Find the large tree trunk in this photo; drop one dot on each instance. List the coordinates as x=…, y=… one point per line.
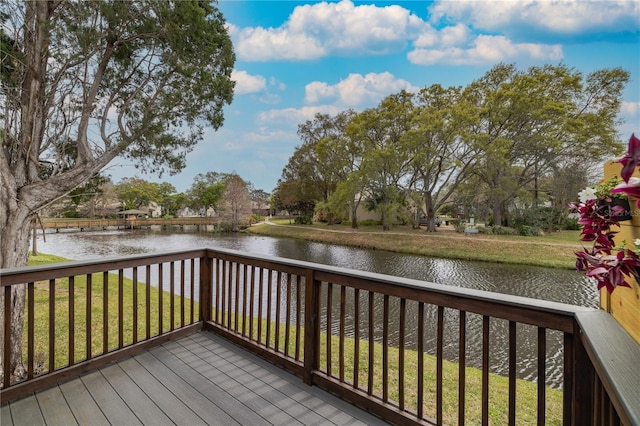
x=497, y=213
x=354, y=215
x=431, y=213
x=13, y=252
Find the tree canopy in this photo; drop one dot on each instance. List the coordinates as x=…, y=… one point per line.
x=506, y=136
x=83, y=82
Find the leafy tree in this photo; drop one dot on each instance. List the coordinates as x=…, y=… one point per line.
x=315, y=162
x=442, y=159
x=290, y=196
x=134, y=193
x=529, y=122
x=206, y=190
x=341, y=156
x=173, y=203
x=385, y=159
x=135, y=79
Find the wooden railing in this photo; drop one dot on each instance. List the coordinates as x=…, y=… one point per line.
x=377, y=341
x=82, y=224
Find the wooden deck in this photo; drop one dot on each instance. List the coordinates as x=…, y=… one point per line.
x=198, y=379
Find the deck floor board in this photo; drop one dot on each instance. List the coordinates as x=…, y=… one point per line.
x=198, y=379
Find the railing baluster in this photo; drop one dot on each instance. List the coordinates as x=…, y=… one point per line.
x=401, y=330
x=72, y=320
x=120, y=309
x=343, y=292
x=229, y=286
x=356, y=343
x=105, y=312
x=287, y=317
x=6, y=364
x=485, y=370
x=329, y=327
x=439, y=364
x=160, y=301
x=298, y=315
x=182, y=296
x=260, y=301
x=371, y=341
x=223, y=295
x=88, y=316
x=278, y=301
x=30, y=329
x=52, y=325
x=269, y=288
x=462, y=366
x=542, y=357
x=251, y=301
x=512, y=372
x=236, y=326
x=193, y=289
x=135, y=304
x=385, y=349
x=172, y=295
x=218, y=288
x=420, y=392
x=147, y=301
x=244, y=300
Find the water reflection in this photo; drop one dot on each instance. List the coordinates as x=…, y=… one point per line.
x=565, y=286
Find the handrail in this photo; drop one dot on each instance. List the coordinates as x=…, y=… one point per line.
x=350, y=332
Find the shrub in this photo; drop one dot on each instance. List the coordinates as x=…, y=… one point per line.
x=546, y=218
x=571, y=224
x=369, y=222
x=530, y=231
x=306, y=219
x=504, y=230
x=485, y=230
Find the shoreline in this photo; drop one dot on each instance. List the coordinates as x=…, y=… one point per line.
x=444, y=243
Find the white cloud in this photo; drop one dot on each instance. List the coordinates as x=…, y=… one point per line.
x=247, y=83
x=314, y=31
x=293, y=116
x=357, y=90
x=485, y=49
x=559, y=16
x=631, y=109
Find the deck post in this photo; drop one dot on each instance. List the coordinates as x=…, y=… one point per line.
x=584, y=381
x=205, y=288
x=311, y=326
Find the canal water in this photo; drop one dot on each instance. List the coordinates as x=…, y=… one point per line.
x=565, y=286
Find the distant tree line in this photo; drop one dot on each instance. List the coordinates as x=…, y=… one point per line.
x=226, y=193
x=514, y=145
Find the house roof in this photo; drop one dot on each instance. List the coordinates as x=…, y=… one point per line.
x=132, y=211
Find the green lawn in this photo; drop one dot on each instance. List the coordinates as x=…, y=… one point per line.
x=555, y=250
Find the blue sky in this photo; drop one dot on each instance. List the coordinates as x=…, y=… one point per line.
x=294, y=59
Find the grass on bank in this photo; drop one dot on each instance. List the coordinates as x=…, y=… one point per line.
x=555, y=250
x=62, y=311
x=498, y=398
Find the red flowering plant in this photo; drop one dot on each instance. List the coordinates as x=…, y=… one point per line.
x=609, y=265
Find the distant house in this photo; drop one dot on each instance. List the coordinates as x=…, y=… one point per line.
x=133, y=214
x=155, y=210
x=261, y=208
